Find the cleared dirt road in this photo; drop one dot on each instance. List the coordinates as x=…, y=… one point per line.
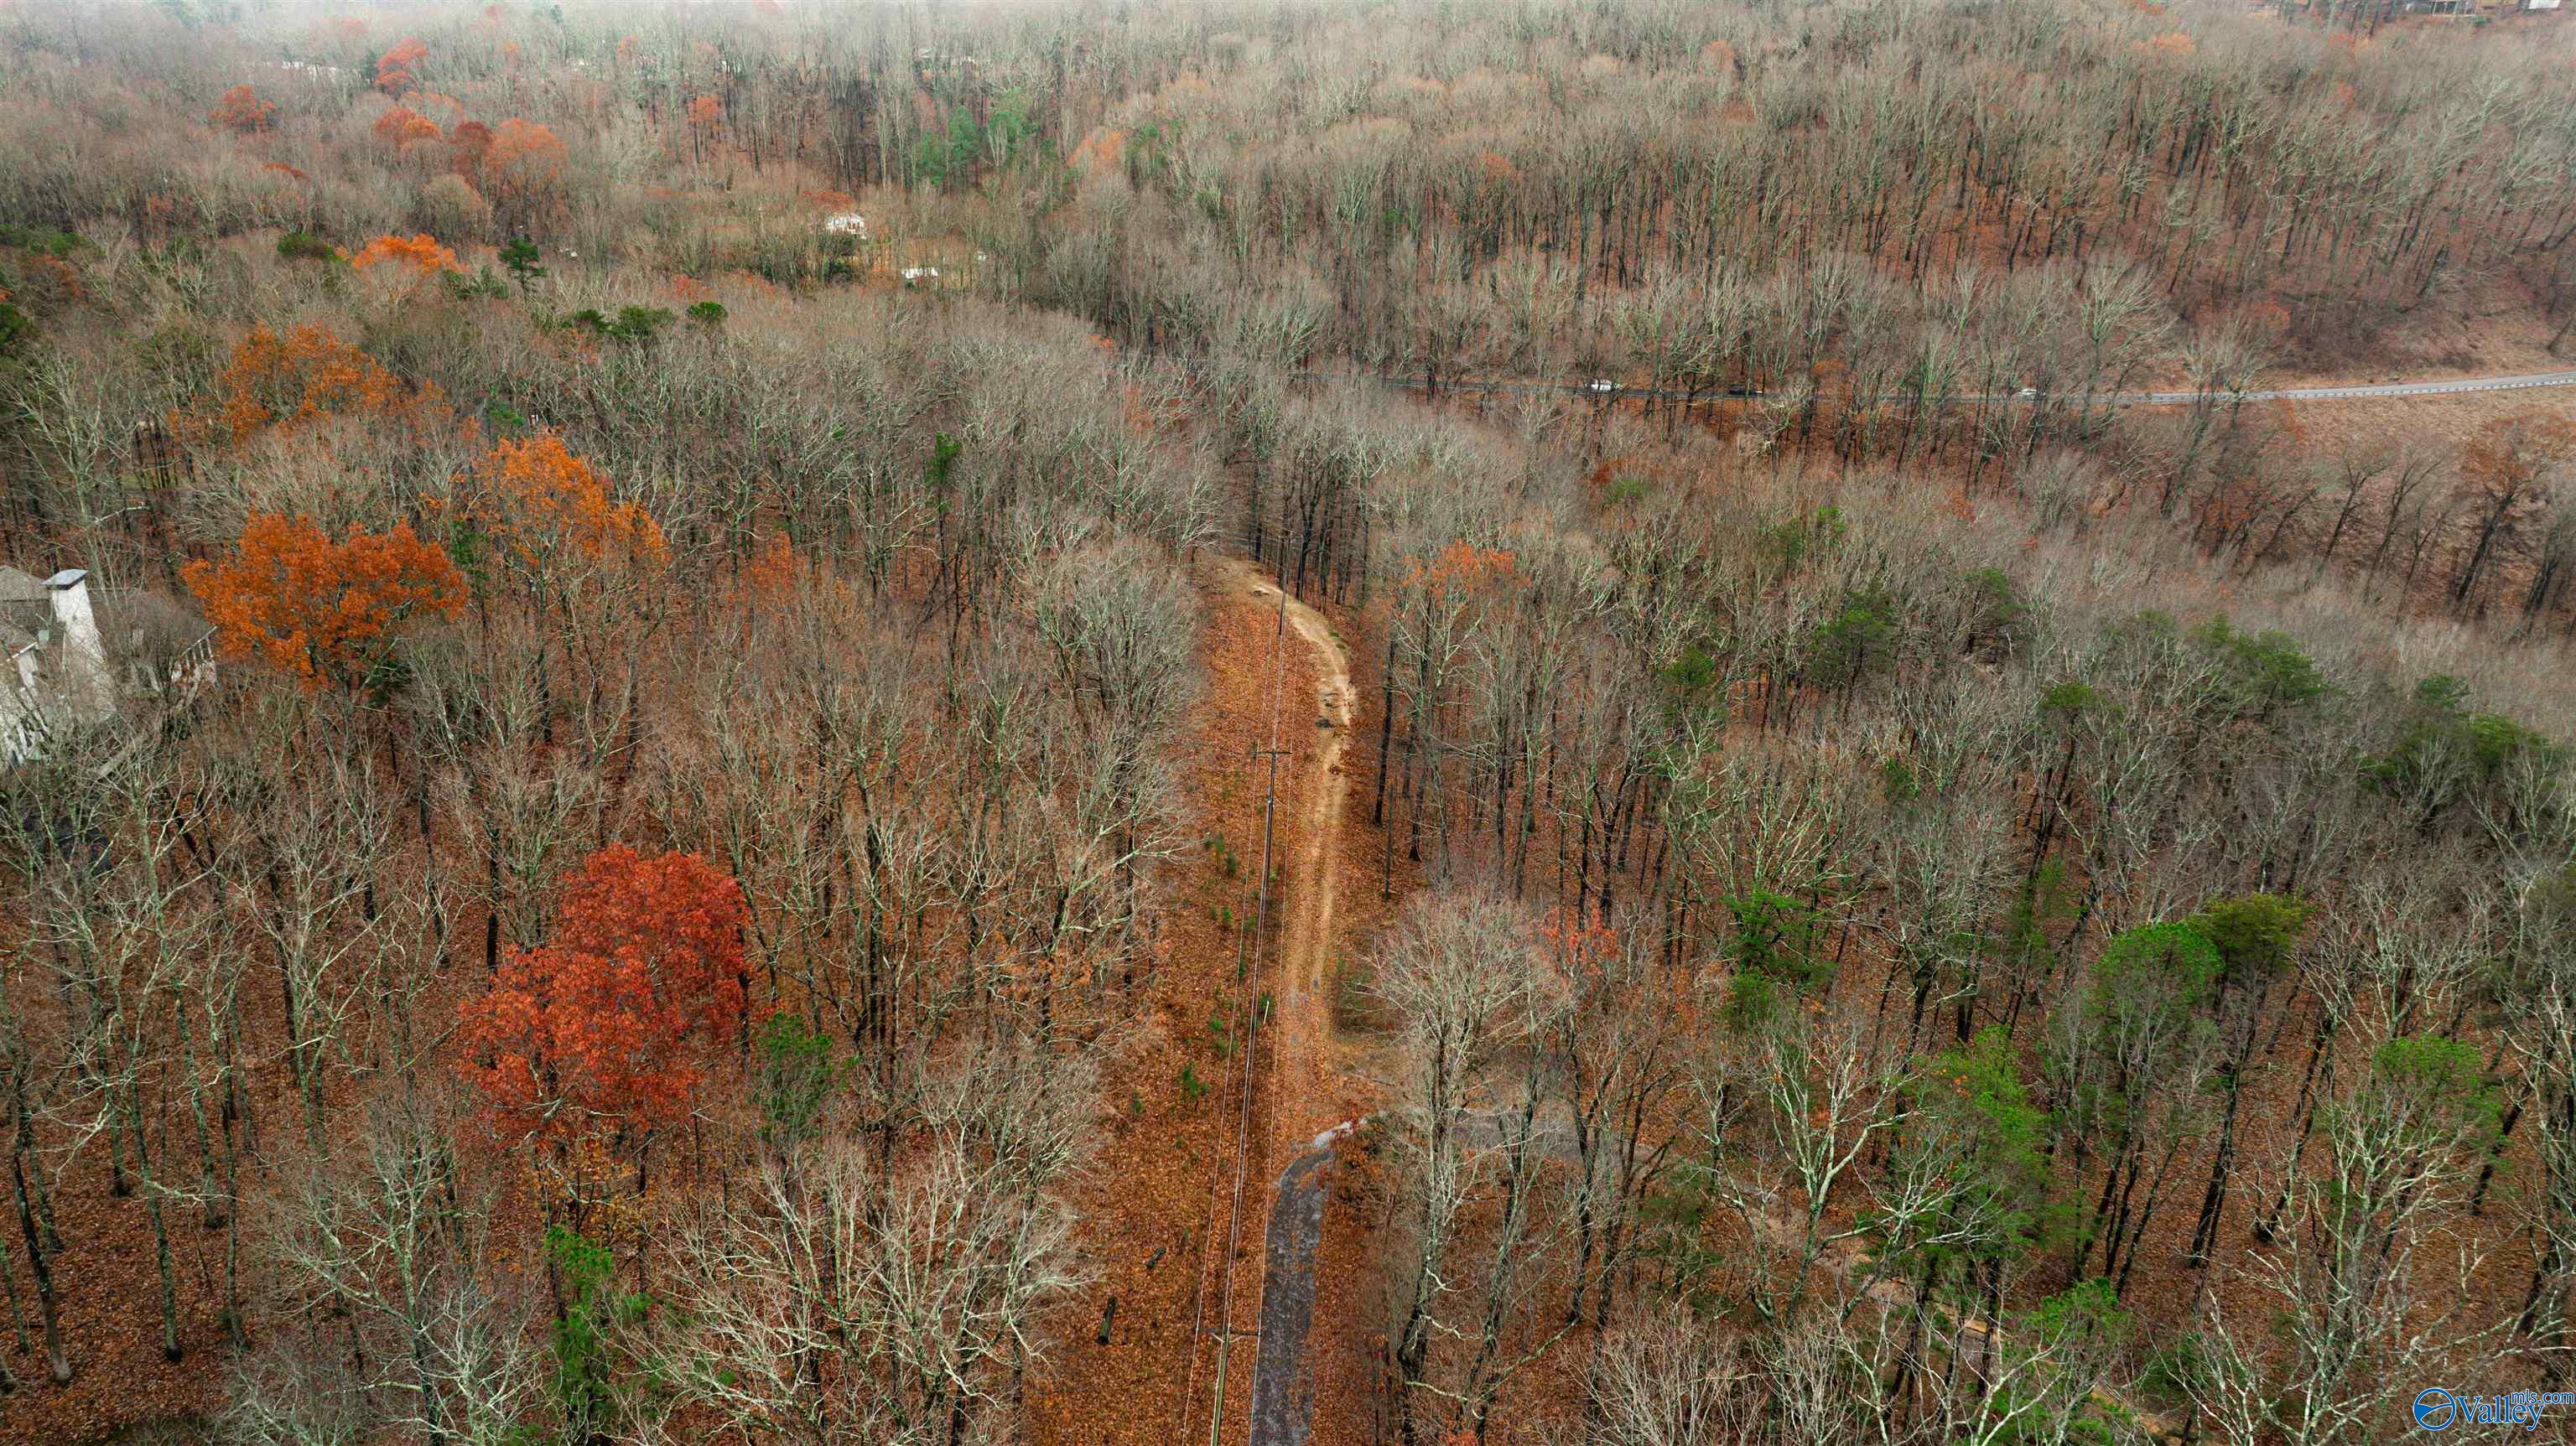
x=1300, y=1033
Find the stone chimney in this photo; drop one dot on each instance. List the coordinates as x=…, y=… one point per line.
x=84, y=658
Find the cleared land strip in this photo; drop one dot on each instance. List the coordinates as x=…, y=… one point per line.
x=1299, y=1033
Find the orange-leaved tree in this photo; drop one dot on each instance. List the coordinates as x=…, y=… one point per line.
x=323, y=610
x=308, y=373
x=612, y=1022
x=532, y=518
x=240, y=109
x=548, y=506
x=420, y=253
x=400, y=125
x=706, y=117
x=393, y=68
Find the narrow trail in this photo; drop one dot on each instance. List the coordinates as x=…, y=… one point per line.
x=1300, y=1088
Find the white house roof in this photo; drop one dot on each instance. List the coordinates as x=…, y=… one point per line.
x=16, y=586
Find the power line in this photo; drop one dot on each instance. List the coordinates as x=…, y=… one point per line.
x=1247, y=968
x=1251, y=1026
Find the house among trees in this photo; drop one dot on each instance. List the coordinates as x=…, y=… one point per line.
x=61, y=671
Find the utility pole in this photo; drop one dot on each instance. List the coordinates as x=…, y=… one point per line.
x=1243, y=985
x=1247, y=961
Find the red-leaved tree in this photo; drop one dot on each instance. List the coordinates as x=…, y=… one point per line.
x=610, y=1024
x=393, y=68
x=240, y=109
x=522, y=171
x=421, y=255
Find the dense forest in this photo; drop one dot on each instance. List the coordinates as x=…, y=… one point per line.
x=1370, y=721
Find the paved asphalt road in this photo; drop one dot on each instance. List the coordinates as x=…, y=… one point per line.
x=2523, y=382
x=1283, y=1379
x=1283, y=1386
x=2376, y=389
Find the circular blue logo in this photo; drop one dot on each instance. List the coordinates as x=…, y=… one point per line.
x=2435, y=1409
